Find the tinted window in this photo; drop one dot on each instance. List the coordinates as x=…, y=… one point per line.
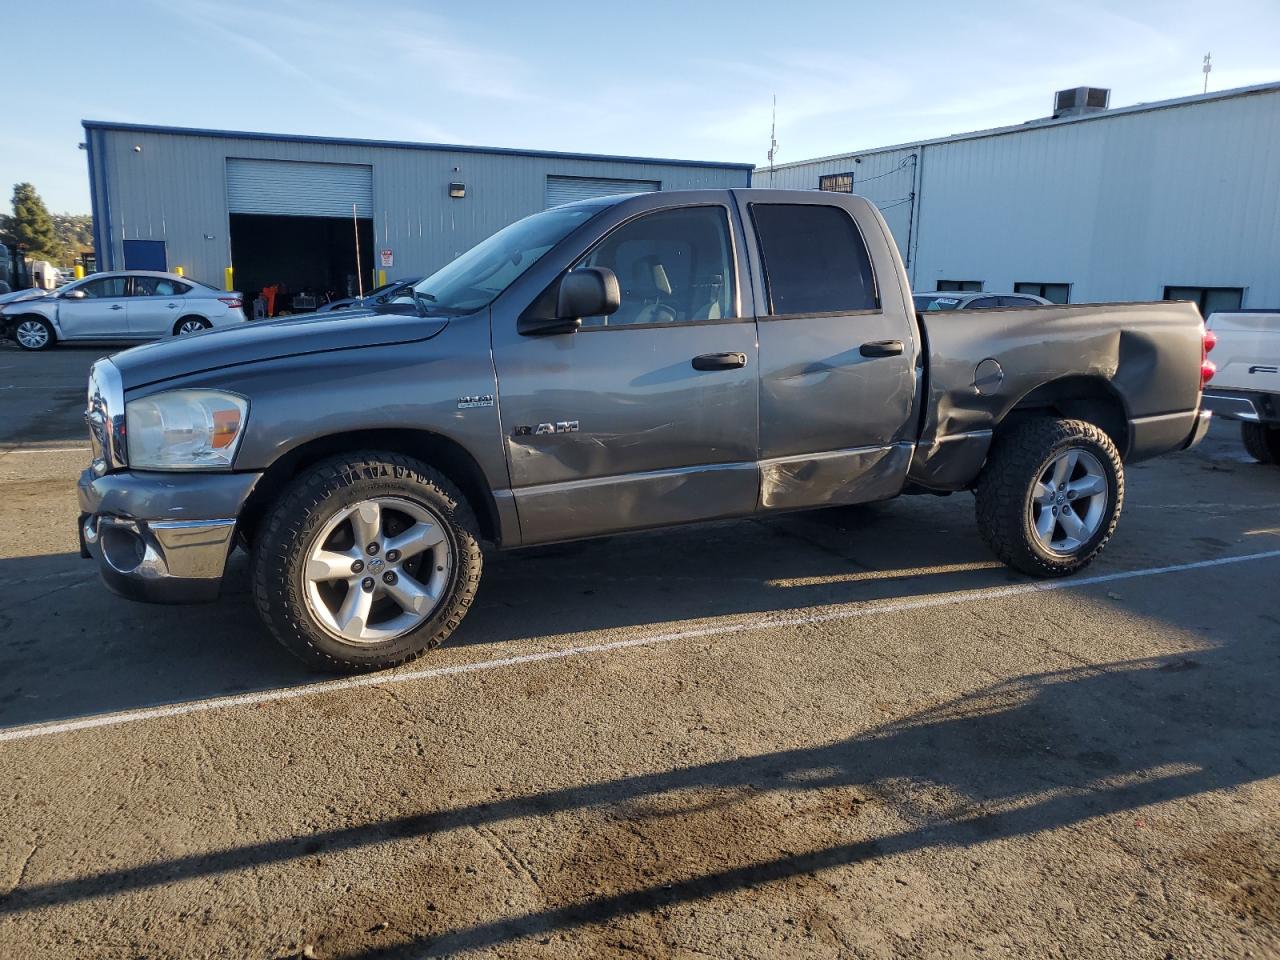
x=1018, y=302
x=1209, y=299
x=103, y=287
x=158, y=287
x=814, y=259
x=981, y=302
x=675, y=266
x=969, y=286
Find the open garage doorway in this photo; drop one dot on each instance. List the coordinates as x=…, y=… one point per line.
x=294, y=227
x=296, y=264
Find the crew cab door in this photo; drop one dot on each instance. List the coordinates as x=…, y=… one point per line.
x=100, y=314
x=646, y=417
x=837, y=351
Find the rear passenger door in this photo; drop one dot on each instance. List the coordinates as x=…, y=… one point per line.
x=837, y=353
x=155, y=306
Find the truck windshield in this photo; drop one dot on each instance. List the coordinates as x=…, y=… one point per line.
x=475, y=279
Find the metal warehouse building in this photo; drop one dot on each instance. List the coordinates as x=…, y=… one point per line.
x=1178, y=199
x=288, y=210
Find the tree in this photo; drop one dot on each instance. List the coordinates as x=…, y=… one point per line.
x=31, y=227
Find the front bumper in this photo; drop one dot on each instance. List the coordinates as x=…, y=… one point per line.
x=161, y=538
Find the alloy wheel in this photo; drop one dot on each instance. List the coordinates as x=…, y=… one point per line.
x=1069, y=501
x=377, y=569
x=32, y=334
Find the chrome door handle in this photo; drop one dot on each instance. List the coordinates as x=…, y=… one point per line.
x=116, y=306
x=719, y=361
x=882, y=348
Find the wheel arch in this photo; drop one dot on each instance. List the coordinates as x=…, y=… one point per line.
x=11, y=321
x=446, y=455
x=1091, y=399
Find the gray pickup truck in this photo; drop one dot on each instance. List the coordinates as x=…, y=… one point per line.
x=608, y=366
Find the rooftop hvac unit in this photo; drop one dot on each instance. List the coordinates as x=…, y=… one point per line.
x=1080, y=100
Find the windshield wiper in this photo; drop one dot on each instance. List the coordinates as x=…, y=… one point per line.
x=421, y=301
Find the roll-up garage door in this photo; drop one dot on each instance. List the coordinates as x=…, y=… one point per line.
x=568, y=189
x=298, y=189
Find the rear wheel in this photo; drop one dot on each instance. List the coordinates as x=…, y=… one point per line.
x=366, y=561
x=1262, y=441
x=190, y=325
x=32, y=333
x=1049, y=497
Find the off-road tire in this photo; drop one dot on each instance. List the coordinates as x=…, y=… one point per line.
x=1262, y=441
x=306, y=504
x=1019, y=455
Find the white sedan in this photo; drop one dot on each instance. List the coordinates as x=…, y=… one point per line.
x=129, y=305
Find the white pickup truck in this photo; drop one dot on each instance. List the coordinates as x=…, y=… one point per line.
x=1247, y=384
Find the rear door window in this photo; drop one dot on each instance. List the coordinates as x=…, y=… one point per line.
x=158, y=287
x=815, y=260
x=982, y=302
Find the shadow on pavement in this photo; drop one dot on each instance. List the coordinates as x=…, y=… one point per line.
x=71, y=648
x=1036, y=753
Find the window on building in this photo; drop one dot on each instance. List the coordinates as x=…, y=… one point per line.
x=674, y=266
x=1209, y=299
x=814, y=259
x=970, y=286
x=1053, y=292
x=836, y=182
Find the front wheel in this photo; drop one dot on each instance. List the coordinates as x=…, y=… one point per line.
x=366, y=561
x=1049, y=497
x=34, y=334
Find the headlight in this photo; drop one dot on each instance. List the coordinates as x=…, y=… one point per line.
x=184, y=429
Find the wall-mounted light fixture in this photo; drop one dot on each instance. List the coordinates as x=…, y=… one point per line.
x=457, y=190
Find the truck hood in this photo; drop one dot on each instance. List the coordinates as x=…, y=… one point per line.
x=251, y=342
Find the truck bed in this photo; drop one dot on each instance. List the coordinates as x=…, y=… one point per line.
x=1132, y=367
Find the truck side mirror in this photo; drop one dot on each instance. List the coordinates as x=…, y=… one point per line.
x=587, y=292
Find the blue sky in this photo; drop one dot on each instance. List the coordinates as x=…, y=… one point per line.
x=661, y=78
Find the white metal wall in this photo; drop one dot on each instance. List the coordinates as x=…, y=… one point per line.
x=1119, y=205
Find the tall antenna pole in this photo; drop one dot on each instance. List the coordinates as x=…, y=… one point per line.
x=1208, y=65
x=773, y=138
x=355, y=224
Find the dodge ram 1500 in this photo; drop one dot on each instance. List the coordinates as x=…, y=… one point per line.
x=608, y=366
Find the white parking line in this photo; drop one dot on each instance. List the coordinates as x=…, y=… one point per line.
x=847, y=612
x=83, y=448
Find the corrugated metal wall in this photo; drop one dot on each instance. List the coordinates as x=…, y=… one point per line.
x=1119, y=206
x=174, y=189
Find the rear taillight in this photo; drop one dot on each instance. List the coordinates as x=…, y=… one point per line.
x=232, y=302
x=1208, y=340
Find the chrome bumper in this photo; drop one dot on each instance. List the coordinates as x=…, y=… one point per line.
x=1203, y=419
x=1251, y=408
x=179, y=560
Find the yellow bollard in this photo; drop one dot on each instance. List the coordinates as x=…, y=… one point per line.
x=178, y=270
x=78, y=271
x=382, y=278
x=229, y=278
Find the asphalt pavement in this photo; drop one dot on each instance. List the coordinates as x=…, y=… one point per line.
x=845, y=733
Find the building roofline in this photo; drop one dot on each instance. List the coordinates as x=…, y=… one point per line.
x=1038, y=124
x=400, y=144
